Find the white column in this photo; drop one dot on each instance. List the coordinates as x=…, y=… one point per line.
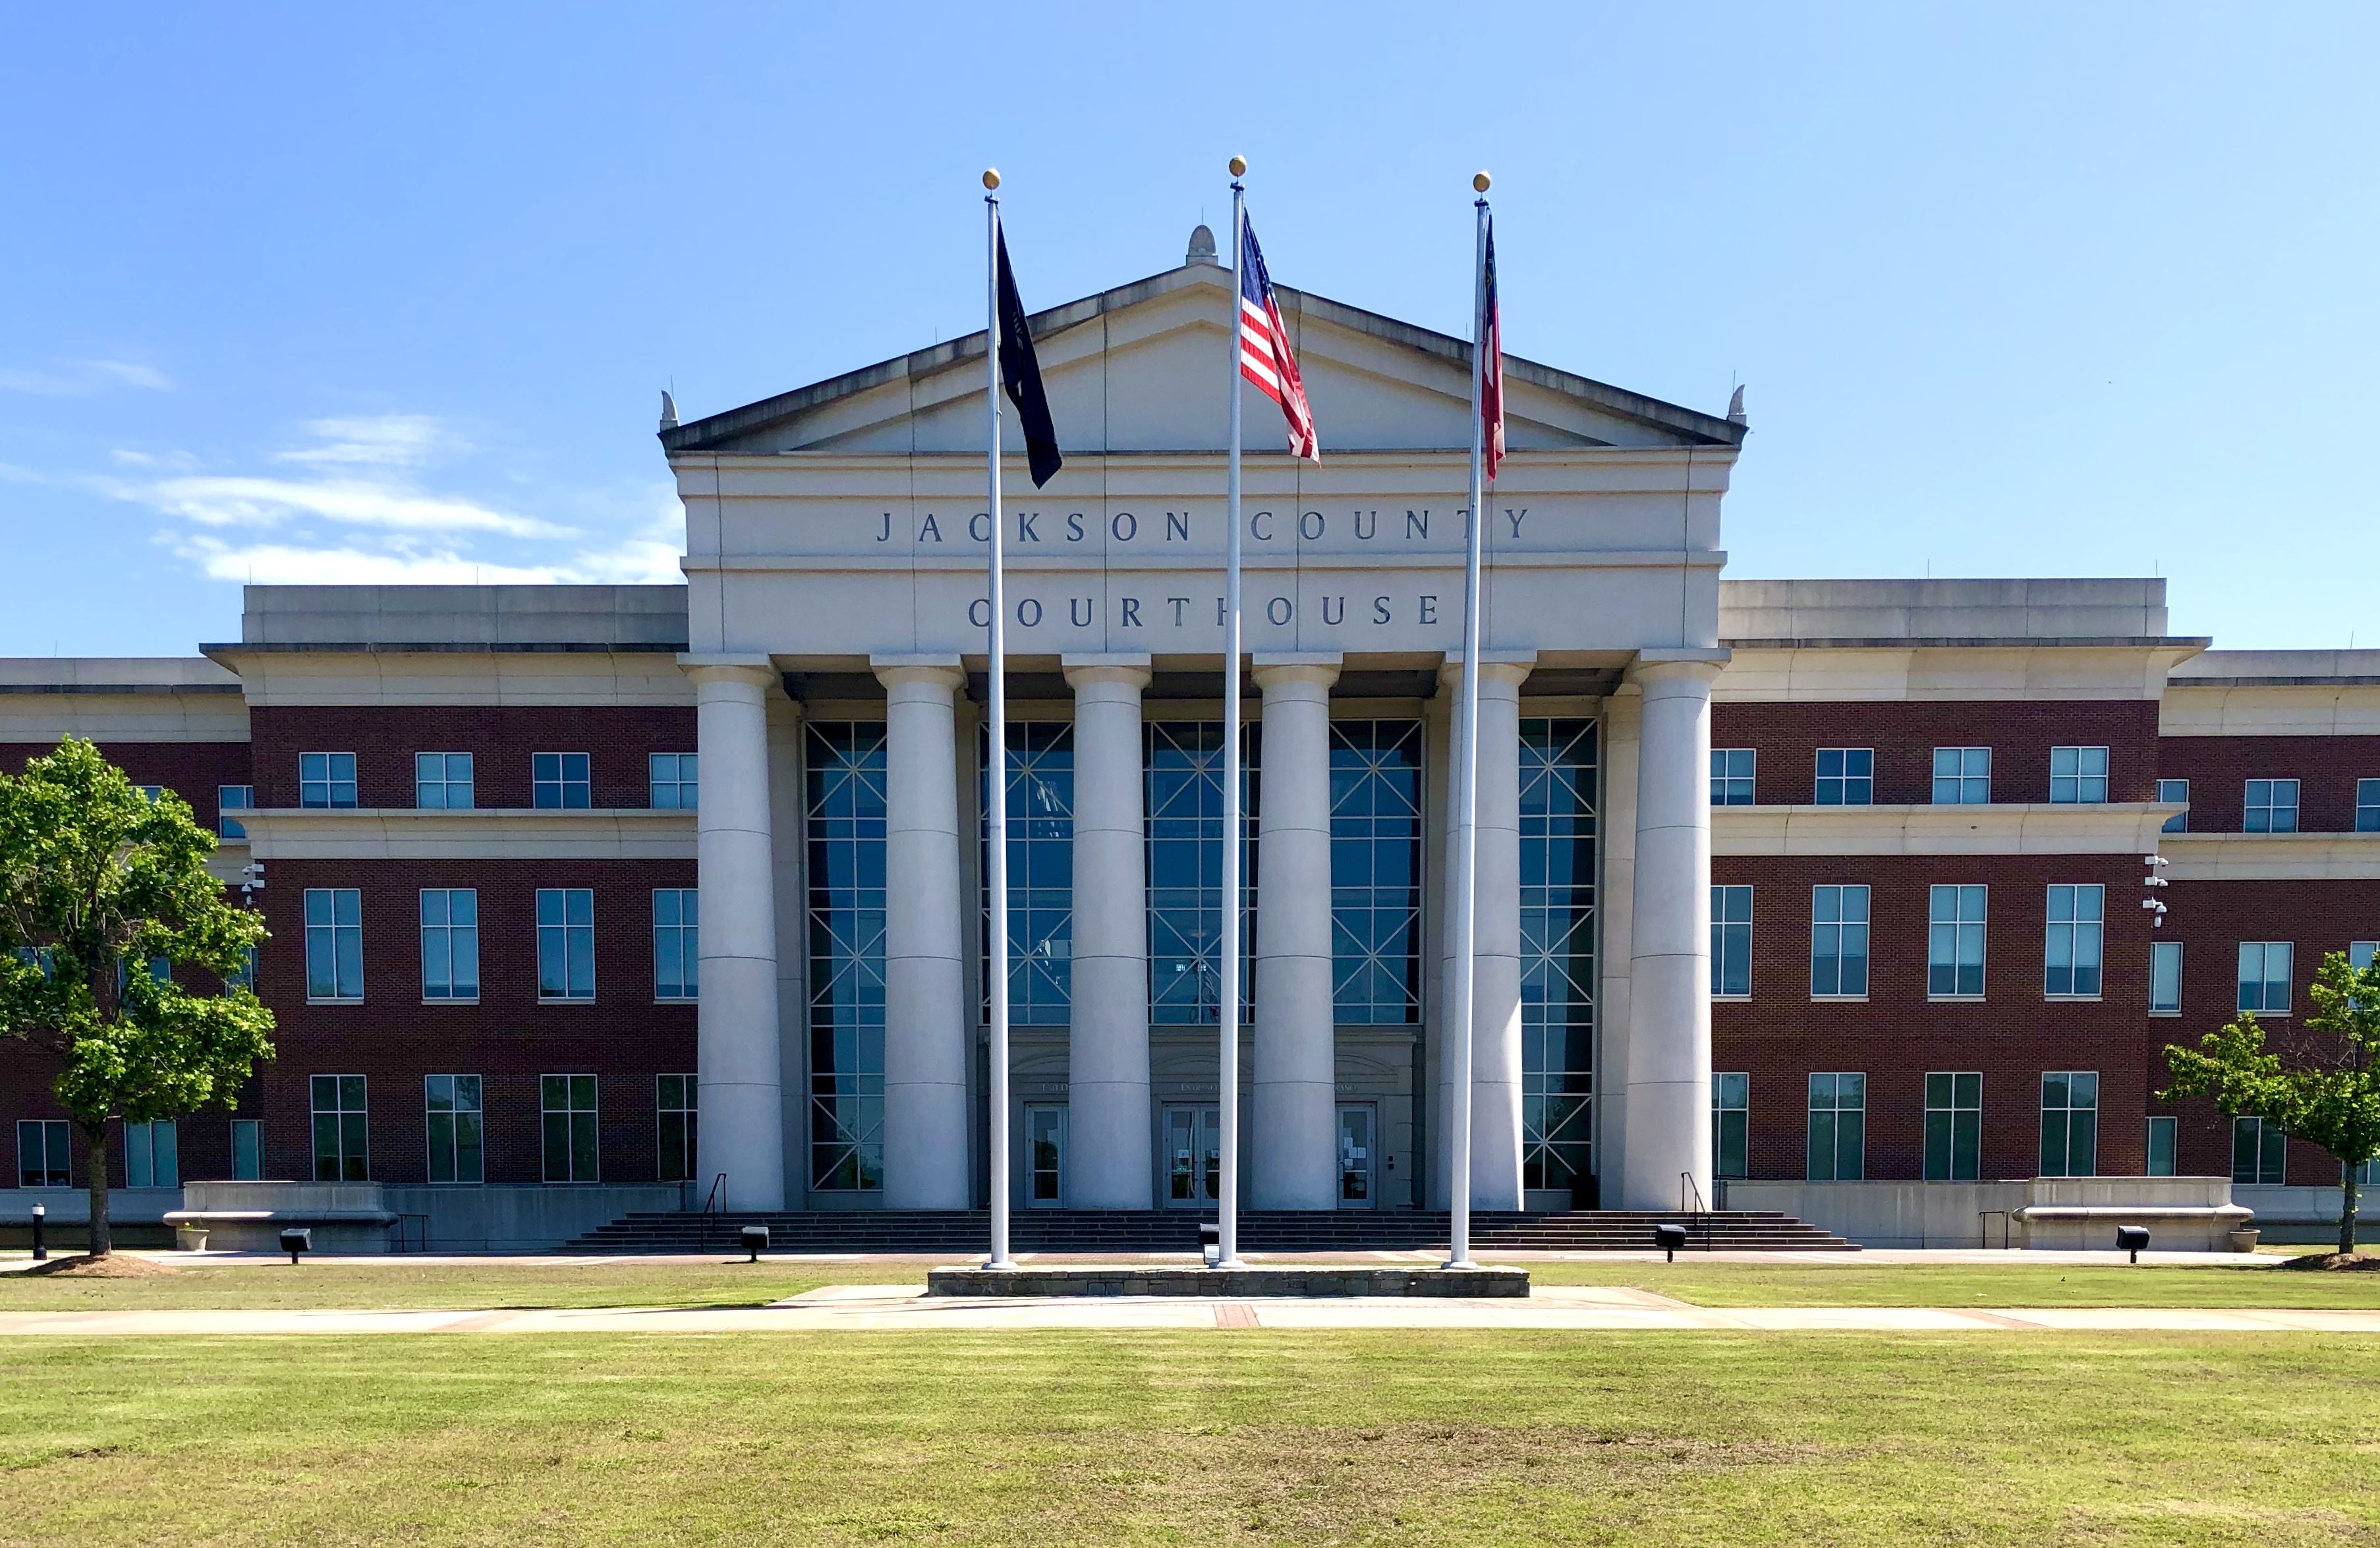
x=1616, y=903
x=1295, y=1114
x=1495, y=948
x=739, y=1076
x=1111, y=1164
x=926, y=1020
x=1667, y=1134
x=789, y=868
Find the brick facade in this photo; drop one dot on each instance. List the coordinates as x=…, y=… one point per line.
x=1787, y=735
x=501, y=740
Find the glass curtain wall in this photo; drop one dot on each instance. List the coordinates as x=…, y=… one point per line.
x=1558, y=838
x=1041, y=871
x=1376, y=872
x=1184, y=795
x=844, y=806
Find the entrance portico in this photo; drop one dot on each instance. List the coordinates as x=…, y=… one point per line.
x=835, y=553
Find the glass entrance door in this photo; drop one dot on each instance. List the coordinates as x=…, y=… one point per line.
x=1356, y=1153
x=1194, y=1157
x=1045, y=1153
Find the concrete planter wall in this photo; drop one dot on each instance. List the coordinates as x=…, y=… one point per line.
x=2181, y=1214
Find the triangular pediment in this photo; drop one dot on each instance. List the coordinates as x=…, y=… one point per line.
x=1143, y=368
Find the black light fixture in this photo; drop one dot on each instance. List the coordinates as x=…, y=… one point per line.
x=2133, y=1240
x=755, y=1241
x=1210, y=1242
x=40, y=1240
x=1668, y=1238
x=296, y=1239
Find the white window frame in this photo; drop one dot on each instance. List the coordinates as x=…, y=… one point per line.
x=2098, y=1111
x=2271, y=807
x=2264, y=975
x=685, y=783
x=1866, y=925
x=1925, y=1136
x=1721, y=931
x=431, y=1113
x=330, y=784
x=1967, y=756
x=2367, y=806
x=689, y=945
x=228, y=827
x=1845, y=780
x=2265, y=1132
x=445, y=933
x=1837, y=1110
x=2171, y=1127
x=1982, y=922
x=44, y=1127
x=445, y=782
x=567, y=930
x=689, y=1112
x=1720, y=1109
x=570, y=1111
x=561, y=784
x=2165, y=949
x=2074, y=924
x=339, y=1114
x=1724, y=758
x=2081, y=776
x=327, y=934
x=141, y=1152
x=254, y=1131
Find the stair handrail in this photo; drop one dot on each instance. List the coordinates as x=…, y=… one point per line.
x=1686, y=1185
x=710, y=1207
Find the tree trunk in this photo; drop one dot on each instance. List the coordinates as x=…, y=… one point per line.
x=2347, y=1192
x=94, y=1171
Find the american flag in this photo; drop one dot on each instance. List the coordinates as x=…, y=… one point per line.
x=1265, y=359
x=1492, y=372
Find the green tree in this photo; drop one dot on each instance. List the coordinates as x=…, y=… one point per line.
x=97, y=881
x=2325, y=1088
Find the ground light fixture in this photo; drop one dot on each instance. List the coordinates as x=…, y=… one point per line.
x=1210, y=1242
x=2133, y=1240
x=297, y=1239
x=40, y=1242
x=755, y=1241
x=1668, y=1238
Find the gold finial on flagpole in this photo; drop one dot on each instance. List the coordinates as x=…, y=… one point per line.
x=1239, y=167
x=1479, y=182
x=991, y=177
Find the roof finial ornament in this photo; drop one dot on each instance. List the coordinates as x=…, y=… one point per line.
x=669, y=410
x=1735, y=409
x=1202, y=247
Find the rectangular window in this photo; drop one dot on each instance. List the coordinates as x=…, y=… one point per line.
x=2258, y=1152
x=2361, y=953
x=1962, y=775
x=153, y=793
x=843, y=793
x=2070, y=1123
x=1041, y=871
x=1838, y=942
x=1558, y=974
x=342, y=1153
x=326, y=779
x=565, y=944
x=152, y=1155
x=2264, y=976
x=2271, y=807
x=2163, y=1142
x=335, y=943
x=1375, y=865
x=676, y=780
x=247, y=1150
x=1731, y=770
x=1731, y=1124
x=2078, y=776
x=2069, y=967
x=1184, y=822
x=2175, y=791
x=1954, y=1125
x=228, y=799
x=1954, y=942
x=441, y=781
x=2367, y=806
x=1730, y=943
x=450, y=943
x=44, y=1148
x=1846, y=776
x=2165, y=977
x=456, y=1135
x=570, y=1131
x=675, y=1108
x=560, y=780
x=677, y=920
x=1838, y=1127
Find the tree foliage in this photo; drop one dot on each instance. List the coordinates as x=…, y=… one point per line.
x=2323, y=1089
x=96, y=882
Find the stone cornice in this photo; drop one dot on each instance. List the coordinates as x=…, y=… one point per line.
x=2015, y=828
x=2271, y=857
x=485, y=833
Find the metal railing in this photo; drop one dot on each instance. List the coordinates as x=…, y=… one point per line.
x=711, y=1209
x=1688, y=1188
x=402, y=1233
x=1984, y=1227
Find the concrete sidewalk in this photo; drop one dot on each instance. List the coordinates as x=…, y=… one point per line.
x=877, y=1307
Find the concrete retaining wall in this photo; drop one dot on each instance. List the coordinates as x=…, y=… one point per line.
x=2182, y=1214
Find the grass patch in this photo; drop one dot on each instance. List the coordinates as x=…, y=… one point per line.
x=2014, y=1283
x=1194, y=1437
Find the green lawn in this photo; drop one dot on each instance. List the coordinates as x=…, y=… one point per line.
x=711, y=1282
x=1253, y=1437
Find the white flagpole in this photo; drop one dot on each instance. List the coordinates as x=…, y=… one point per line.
x=997, y=818
x=1227, y=1200
x=1467, y=841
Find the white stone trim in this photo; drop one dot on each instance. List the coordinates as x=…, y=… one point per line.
x=482, y=833
x=2272, y=857
x=1948, y=673
x=2009, y=828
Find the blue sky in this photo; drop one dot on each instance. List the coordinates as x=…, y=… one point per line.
x=356, y=293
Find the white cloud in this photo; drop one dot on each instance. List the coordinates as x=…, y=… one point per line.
x=295, y=564
x=179, y=462
x=376, y=441
x=82, y=378
x=392, y=507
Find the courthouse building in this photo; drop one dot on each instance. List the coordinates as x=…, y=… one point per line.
x=598, y=895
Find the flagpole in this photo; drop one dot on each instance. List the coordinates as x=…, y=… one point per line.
x=996, y=820
x=1227, y=1200
x=1467, y=841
